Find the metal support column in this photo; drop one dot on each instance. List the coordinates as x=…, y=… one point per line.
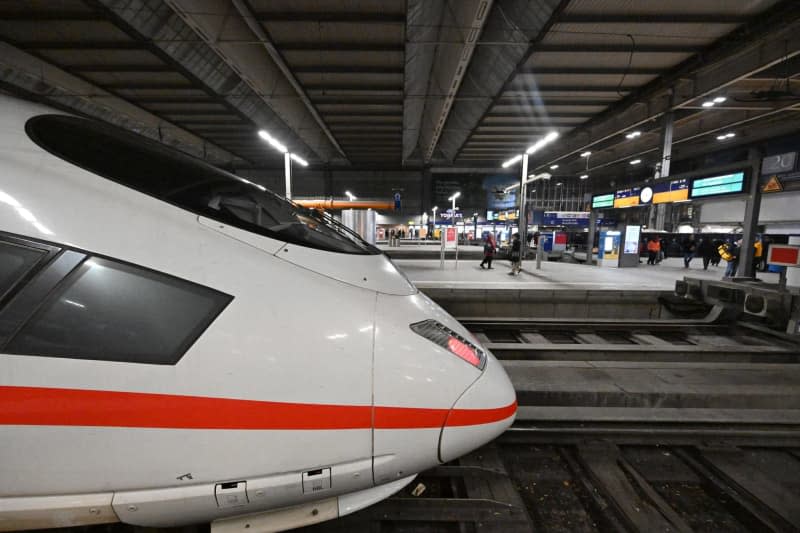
x=658, y=212
x=590, y=237
x=287, y=171
x=426, y=189
x=522, y=222
x=751, y=212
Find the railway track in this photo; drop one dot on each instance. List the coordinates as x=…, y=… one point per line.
x=642, y=340
x=598, y=479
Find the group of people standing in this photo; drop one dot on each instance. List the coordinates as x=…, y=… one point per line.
x=711, y=251
x=490, y=247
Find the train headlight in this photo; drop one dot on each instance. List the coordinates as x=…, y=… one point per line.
x=451, y=341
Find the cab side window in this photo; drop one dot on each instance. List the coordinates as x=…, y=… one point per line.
x=99, y=308
x=16, y=261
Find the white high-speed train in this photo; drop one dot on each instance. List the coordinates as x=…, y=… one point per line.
x=179, y=345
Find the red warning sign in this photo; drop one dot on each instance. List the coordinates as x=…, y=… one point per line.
x=773, y=185
x=783, y=255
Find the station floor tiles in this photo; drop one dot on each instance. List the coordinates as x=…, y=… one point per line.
x=553, y=275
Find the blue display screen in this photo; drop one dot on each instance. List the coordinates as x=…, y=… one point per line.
x=727, y=184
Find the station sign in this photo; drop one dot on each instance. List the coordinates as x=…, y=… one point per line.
x=718, y=185
x=502, y=216
x=601, y=201
x=673, y=191
x=565, y=218
x=627, y=197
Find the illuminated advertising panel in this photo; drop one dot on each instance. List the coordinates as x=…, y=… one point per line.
x=603, y=200
x=716, y=185
x=627, y=197
x=670, y=191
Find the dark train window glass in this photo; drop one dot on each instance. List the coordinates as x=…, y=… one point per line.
x=15, y=261
x=115, y=312
x=189, y=183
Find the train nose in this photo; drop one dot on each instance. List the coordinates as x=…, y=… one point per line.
x=485, y=410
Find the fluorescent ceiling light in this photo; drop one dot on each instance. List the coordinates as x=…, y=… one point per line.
x=512, y=161
x=719, y=99
x=559, y=184
x=708, y=104
x=350, y=195
x=633, y=134
x=585, y=176
x=299, y=159
x=635, y=161
x=586, y=154
x=272, y=141
x=456, y=195
x=547, y=139
x=725, y=136
x=553, y=167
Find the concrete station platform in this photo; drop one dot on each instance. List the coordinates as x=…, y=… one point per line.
x=559, y=275
x=664, y=391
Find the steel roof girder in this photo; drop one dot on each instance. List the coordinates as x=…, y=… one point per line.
x=257, y=72
x=760, y=55
x=34, y=75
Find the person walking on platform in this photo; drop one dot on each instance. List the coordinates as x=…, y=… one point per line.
x=488, y=251
x=715, y=259
x=516, y=255
x=707, y=251
x=688, y=248
x=653, y=248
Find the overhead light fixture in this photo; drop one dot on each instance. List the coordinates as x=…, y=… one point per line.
x=635, y=161
x=456, y=195
x=511, y=161
x=584, y=176
x=547, y=139
x=586, y=154
x=719, y=99
x=710, y=103
x=559, y=184
x=633, y=134
x=299, y=159
x=553, y=167
x=350, y=195
x=725, y=136
x=273, y=141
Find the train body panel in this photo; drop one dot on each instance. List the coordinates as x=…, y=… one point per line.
x=307, y=369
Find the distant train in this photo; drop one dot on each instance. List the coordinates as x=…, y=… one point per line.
x=179, y=345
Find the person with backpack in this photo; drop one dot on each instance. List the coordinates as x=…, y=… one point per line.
x=730, y=253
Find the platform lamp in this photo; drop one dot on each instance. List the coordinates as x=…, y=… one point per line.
x=523, y=219
x=288, y=157
x=453, y=212
x=350, y=195
x=434, y=215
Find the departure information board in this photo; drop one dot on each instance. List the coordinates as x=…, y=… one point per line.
x=670, y=191
x=627, y=197
x=603, y=200
x=727, y=184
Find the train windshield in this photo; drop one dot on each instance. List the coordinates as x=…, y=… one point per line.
x=190, y=183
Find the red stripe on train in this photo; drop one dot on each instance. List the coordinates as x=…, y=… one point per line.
x=42, y=406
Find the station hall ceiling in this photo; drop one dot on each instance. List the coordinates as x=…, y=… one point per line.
x=396, y=84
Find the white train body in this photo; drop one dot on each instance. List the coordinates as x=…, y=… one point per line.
x=305, y=386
